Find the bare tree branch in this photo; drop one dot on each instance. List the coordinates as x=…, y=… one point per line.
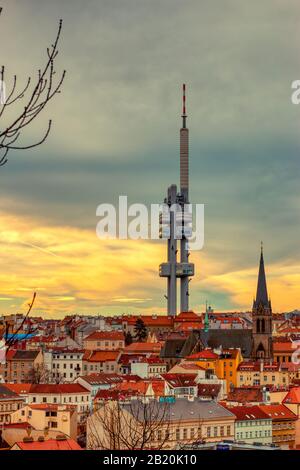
x=10, y=342
x=43, y=91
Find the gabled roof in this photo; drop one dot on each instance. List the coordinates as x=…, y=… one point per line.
x=248, y=413
x=278, y=412
x=205, y=354
x=209, y=390
x=101, y=356
x=23, y=355
x=20, y=389
x=6, y=393
x=293, y=396
x=180, y=380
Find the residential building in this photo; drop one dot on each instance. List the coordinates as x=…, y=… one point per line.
x=62, y=418
x=100, y=361
x=186, y=421
x=9, y=402
x=65, y=364
x=102, y=381
x=252, y=424
x=283, y=424
x=19, y=365
x=261, y=373
x=105, y=341
x=292, y=402
x=149, y=367
x=60, y=394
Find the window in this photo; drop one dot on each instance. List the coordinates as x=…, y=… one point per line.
x=185, y=434
x=159, y=435
x=208, y=432
x=222, y=431
x=192, y=433
x=177, y=434
x=228, y=430
x=44, y=400
x=215, y=431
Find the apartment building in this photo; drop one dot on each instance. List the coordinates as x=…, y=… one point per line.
x=185, y=422
x=104, y=340
x=62, y=418
x=262, y=373
x=19, y=365
x=65, y=364
x=283, y=424
x=9, y=402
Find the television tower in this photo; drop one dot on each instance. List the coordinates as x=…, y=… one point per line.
x=175, y=225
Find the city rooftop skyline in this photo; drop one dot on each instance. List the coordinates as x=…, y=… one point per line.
x=116, y=131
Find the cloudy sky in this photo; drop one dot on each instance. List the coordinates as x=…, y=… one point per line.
x=116, y=131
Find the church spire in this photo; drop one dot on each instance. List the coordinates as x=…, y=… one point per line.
x=262, y=292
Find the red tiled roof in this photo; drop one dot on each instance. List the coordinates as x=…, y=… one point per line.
x=180, y=380
x=187, y=326
x=248, y=413
x=205, y=354
x=139, y=388
x=149, y=320
x=188, y=316
x=57, y=388
x=51, y=407
x=20, y=389
x=209, y=390
x=190, y=366
x=283, y=346
x=100, y=356
x=143, y=347
x=105, y=335
x=293, y=396
x=245, y=395
x=50, y=444
x=278, y=412
x=126, y=359
x=255, y=366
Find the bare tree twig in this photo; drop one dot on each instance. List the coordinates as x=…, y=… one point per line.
x=43, y=91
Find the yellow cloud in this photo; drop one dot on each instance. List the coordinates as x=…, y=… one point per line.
x=88, y=275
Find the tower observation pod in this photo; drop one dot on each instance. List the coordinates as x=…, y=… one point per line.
x=176, y=226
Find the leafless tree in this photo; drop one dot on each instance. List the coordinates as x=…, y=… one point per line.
x=35, y=95
x=39, y=374
x=134, y=425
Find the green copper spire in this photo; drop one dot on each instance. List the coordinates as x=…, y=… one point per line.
x=206, y=322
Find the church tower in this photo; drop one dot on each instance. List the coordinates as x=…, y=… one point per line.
x=262, y=318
